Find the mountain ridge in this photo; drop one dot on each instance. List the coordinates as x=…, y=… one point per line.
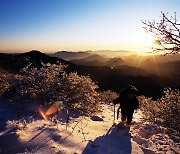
x=107, y=78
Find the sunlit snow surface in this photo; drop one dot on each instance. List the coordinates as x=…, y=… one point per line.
x=83, y=135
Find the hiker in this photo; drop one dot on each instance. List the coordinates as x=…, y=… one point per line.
x=128, y=103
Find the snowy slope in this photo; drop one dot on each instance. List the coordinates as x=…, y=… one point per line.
x=83, y=135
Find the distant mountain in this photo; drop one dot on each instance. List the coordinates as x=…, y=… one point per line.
x=97, y=58
x=131, y=71
x=135, y=59
x=114, y=62
x=112, y=53
x=161, y=68
x=172, y=67
x=93, y=60
x=173, y=64
x=107, y=78
x=67, y=55
x=166, y=58
x=86, y=63
x=15, y=62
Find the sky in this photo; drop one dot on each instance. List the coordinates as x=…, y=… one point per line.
x=79, y=25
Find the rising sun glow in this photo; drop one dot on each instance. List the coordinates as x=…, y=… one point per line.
x=145, y=43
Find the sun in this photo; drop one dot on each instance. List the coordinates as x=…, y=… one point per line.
x=145, y=42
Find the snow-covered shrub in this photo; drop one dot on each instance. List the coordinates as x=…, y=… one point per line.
x=108, y=97
x=149, y=108
x=80, y=92
x=51, y=83
x=4, y=81
x=40, y=84
x=4, y=84
x=167, y=108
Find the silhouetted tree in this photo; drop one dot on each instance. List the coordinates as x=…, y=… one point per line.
x=167, y=34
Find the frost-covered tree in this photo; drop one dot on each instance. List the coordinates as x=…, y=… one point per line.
x=51, y=83
x=40, y=84
x=167, y=108
x=4, y=80
x=80, y=92
x=108, y=97
x=4, y=84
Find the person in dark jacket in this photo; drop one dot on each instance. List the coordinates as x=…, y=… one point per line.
x=128, y=103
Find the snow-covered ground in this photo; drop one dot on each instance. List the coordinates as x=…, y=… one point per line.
x=32, y=134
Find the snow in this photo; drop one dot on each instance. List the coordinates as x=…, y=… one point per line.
x=86, y=135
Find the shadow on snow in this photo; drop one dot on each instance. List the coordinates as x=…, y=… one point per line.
x=116, y=141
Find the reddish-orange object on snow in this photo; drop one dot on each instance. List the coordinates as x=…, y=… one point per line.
x=53, y=109
x=43, y=114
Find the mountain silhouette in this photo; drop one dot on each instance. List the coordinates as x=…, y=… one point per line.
x=96, y=57
x=87, y=63
x=113, y=62
x=106, y=77
x=67, y=55
x=15, y=62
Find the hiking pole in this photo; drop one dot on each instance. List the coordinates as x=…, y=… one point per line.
x=118, y=112
x=114, y=115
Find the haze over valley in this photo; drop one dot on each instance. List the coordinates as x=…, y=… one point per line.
x=149, y=73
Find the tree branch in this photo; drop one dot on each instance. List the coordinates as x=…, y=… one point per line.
x=167, y=32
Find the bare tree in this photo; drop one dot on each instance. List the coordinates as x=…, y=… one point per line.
x=167, y=34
